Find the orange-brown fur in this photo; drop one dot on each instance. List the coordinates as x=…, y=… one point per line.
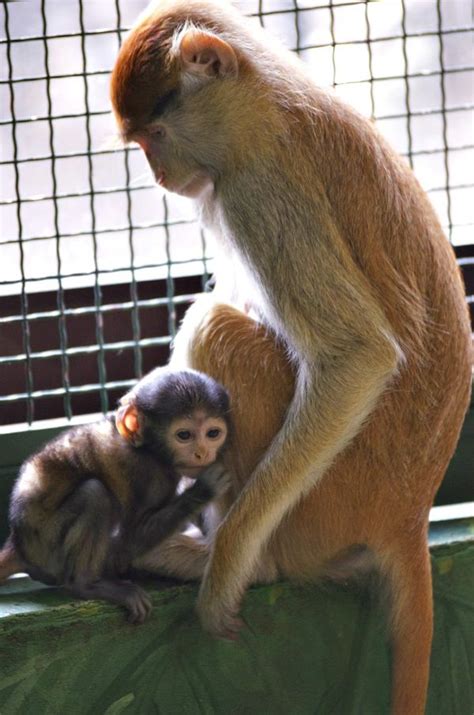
x=377, y=493
x=327, y=236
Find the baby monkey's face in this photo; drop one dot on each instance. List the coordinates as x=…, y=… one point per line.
x=195, y=441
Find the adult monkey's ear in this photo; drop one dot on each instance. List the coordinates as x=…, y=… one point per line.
x=204, y=54
x=127, y=421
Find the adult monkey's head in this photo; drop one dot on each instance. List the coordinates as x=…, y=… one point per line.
x=185, y=88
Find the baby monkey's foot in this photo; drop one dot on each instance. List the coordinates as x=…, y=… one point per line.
x=133, y=598
x=137, y=603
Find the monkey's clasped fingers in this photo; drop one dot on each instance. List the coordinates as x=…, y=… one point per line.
x=216, y=477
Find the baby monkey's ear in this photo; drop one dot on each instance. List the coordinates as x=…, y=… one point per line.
x=127, y=421
x=206, y=55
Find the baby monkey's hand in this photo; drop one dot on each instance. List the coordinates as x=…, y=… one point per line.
x=216, y=477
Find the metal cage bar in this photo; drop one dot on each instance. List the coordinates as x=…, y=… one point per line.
x=23, y=294
x=78, y=332
x=60, y=292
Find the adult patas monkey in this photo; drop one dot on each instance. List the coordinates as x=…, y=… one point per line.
x=328, y=238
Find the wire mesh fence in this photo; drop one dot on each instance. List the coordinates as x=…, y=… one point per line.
x=97, y=265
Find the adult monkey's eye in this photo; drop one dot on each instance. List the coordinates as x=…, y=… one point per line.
x=157, y=131
x=163, y=103
x=183, y=435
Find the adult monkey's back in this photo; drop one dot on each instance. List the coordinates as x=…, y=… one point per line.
x=326, y=234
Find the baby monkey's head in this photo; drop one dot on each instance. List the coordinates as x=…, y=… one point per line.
x=182, y=416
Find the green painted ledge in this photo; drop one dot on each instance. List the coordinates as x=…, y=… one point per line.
x=306, y=650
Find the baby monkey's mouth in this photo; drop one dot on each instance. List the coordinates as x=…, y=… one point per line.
x=192, y=470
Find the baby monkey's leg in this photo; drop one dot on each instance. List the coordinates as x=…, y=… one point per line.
x=89, y=517
x=181, y=557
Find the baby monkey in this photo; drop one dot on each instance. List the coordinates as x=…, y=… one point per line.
x=98, y=496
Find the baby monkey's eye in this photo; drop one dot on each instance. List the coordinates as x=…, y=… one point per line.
x=214, y=433
x=183, y=435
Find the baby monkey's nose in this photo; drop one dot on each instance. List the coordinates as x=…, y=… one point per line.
x=200, y=454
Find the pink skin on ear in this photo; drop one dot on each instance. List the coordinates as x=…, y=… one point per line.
x=126, y=421
x=131, y=422
x=206, y=54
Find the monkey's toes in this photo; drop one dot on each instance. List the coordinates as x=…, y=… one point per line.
x=231, y=629
x=138, y=604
